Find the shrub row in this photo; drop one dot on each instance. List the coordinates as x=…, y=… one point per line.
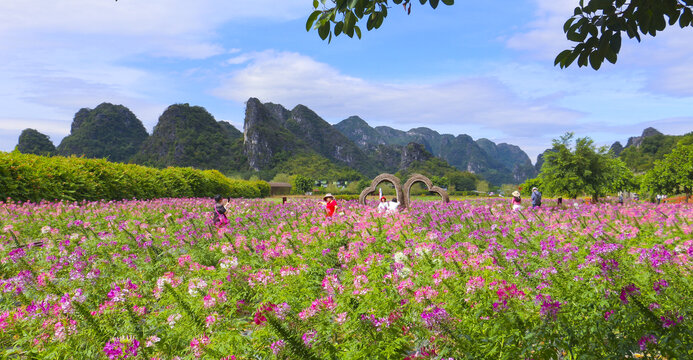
x=31, y=177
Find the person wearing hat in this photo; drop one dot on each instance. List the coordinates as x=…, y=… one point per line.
x=536, y=197
x=330, y=206
x=383, y=206
x=517, y=201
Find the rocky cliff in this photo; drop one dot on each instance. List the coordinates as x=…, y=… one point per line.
x=502, y=163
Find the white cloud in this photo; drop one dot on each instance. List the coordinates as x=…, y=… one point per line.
x=60, y=56
x=481, y=106
x=543, y=36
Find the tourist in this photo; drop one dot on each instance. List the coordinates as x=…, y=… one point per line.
x=620, y=197
x=219, y=216
x=517, y=201
x=393, y=206
x=330, y=205
x=536, y=197
x=383, y=206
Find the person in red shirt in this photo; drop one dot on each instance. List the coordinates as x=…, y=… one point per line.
x=330, y=206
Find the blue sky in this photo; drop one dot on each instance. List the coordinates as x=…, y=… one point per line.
x=480, y=68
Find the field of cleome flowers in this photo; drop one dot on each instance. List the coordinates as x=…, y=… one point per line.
x=465, y=280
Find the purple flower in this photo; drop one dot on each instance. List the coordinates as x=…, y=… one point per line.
x=309, y=337
x=629, y=290
x=17, y=254
x=671, y=319
x=550, y=308
x=433, y=316
x=608, y=314
x=113, y=350
x=277, y=346
x=647, y=339
x=660, y=285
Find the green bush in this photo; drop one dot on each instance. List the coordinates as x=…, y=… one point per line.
x=346, y=197
x=31, y=177
x=263, y=187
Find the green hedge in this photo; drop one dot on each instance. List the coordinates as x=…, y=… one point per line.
x=347, y=197
x=32, y=177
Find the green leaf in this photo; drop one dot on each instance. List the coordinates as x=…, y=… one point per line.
x=324, y=30
x=338, y=28
x=349, y=22
x=596, y=60
x=316, y=4
x=434, y=3
x=560, y=58
x=357, y=30
x=615, y=42
x=311, y=19
x=448, y=2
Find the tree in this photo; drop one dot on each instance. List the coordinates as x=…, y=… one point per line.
x=596, y=25
x=482, y=186
x=281, y=177
x=673, y=174
x=462, y=181
x=302, y=184
x=582, y=168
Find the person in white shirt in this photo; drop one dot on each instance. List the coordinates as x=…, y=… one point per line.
x=384, y=205
x=393, y=206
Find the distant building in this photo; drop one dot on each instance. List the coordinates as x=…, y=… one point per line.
x=279, y=188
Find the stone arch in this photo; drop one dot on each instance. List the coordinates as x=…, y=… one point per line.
x=406, y=189
x=381, y=178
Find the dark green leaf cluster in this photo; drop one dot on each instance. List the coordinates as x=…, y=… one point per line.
x=341, y=16
x=597, y=27
x=33, y=142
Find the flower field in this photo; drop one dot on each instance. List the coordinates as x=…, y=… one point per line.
x=465, y=280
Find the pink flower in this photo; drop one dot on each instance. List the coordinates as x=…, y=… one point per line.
x=309, y=337
x=277, y=346
x=210, y=320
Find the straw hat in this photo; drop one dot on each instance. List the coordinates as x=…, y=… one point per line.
x=516, y=193
x=328, y=195
x=534, y=189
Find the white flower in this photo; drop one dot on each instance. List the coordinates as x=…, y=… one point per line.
x=228, y=263
x=45, y=230
x=400, y=258
x=74, y=236
x=404, y=272
x=152, y=340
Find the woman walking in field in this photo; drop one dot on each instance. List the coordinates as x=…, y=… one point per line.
x=517, y=201
x=219, y=217
x=330, y=205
